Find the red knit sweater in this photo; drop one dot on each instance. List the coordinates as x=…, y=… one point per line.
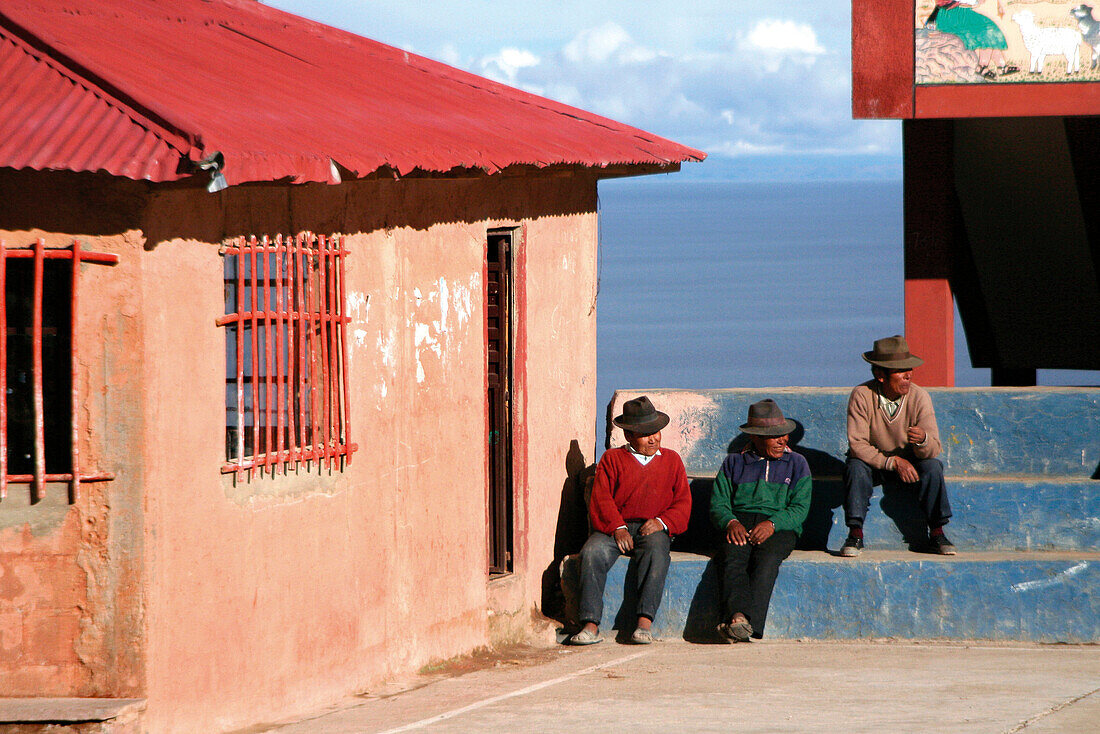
x=626, y=490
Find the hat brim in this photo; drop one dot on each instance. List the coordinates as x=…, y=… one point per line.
x=894, y=364
x=650, y=426
x=784, y=428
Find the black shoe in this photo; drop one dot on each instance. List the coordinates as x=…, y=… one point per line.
x=852, y=547
x=940, y=544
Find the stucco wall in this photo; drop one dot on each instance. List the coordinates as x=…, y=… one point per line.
x=70, y=604
x=275, y=594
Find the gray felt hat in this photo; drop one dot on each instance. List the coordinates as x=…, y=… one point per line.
x=892, y=353
x=766, y=419
x=639, y=416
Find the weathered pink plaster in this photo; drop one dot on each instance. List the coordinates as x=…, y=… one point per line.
x=227, y=602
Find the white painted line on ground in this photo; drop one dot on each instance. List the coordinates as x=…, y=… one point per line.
x=521, y=692
x=1053, y=709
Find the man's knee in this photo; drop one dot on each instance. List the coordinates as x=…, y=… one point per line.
x=932, y=468
x=654, y=542
x=599, y=551
x=856, y=470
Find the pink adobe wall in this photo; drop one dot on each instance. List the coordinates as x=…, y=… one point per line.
x=228, y=603
x=70, y=574
x=279, y=594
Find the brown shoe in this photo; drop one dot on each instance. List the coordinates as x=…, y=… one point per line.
x=735, y=631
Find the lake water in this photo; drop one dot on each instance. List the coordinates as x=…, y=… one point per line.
x=707, y=285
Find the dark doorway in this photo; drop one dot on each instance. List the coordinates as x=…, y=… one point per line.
x=499, y=319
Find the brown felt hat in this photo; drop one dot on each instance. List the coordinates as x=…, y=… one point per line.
x=766, y=419
x=639, y=416
x=892, y=353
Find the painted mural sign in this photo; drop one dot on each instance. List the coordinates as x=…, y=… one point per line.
x=1006, y=41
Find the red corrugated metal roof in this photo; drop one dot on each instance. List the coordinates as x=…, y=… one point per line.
x=140, y=87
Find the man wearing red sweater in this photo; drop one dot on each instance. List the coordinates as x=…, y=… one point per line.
x=640, y=499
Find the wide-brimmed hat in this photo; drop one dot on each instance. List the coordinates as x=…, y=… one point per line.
x=893, y=354
x=766, y=419
x=639, y=416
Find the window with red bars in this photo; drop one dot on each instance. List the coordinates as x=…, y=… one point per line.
x=40, y=407
x=286, y=397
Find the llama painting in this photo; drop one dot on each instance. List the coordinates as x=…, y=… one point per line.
x=1005, y=41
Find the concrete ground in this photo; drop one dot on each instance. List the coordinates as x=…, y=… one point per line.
x=769, y=686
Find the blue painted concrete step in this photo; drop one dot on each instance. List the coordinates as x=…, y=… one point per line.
x=1029, y=513
x=1039, y=597
x=985, y=431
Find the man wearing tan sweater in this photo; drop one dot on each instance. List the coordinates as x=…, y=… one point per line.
x=893, y=438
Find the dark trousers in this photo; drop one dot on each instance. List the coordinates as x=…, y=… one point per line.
x=650, y=557
x=749, y=571
x=860, y=480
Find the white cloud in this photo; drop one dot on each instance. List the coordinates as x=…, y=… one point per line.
x=449, y=54
x=598, y=45
x=732, y=77
x=784, y=36
x=505, y=65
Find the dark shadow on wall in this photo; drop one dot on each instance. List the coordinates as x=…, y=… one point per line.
x=705, y=610
x=900, y=504
x=96, y=204
x=570, y=531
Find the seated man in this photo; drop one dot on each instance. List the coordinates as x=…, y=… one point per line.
x=760, y=499
x=892, y=437
x=640, y=498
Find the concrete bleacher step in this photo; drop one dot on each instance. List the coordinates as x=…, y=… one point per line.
x=994, y=514
x=83, y=715
x=991, y=513
x=1028, y=596
x=1023, y=475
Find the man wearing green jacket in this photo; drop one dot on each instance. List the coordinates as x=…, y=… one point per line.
x=760, y=499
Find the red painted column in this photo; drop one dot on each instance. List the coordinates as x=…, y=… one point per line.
x=929, y=244
x=930, y=329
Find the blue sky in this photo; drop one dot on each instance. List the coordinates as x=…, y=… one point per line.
x=763, y=87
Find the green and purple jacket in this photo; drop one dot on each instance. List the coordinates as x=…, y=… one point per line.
x=779, y=488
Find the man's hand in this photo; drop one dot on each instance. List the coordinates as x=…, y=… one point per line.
x=916, y=434
x=624, y=540
x=735, y=533
x=905, y=470
x=761, y=532
x=651, y=526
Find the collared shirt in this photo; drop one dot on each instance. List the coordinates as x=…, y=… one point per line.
x=642, y=458
x=890, y=406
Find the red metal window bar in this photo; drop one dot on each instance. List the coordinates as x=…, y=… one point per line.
x=286, y=353
x=33, y=415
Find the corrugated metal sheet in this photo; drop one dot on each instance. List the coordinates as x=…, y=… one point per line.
x=49, y=119
x=137, y=87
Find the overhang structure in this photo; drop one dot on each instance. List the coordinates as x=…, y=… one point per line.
x=148, y=89
x=1002, y=186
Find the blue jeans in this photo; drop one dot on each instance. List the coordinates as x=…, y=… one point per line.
x=650, y=557
x=860, y=480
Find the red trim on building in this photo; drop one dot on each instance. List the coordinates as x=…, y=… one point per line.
x=1008, y=100
x=521, y=486
x=882, y=59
